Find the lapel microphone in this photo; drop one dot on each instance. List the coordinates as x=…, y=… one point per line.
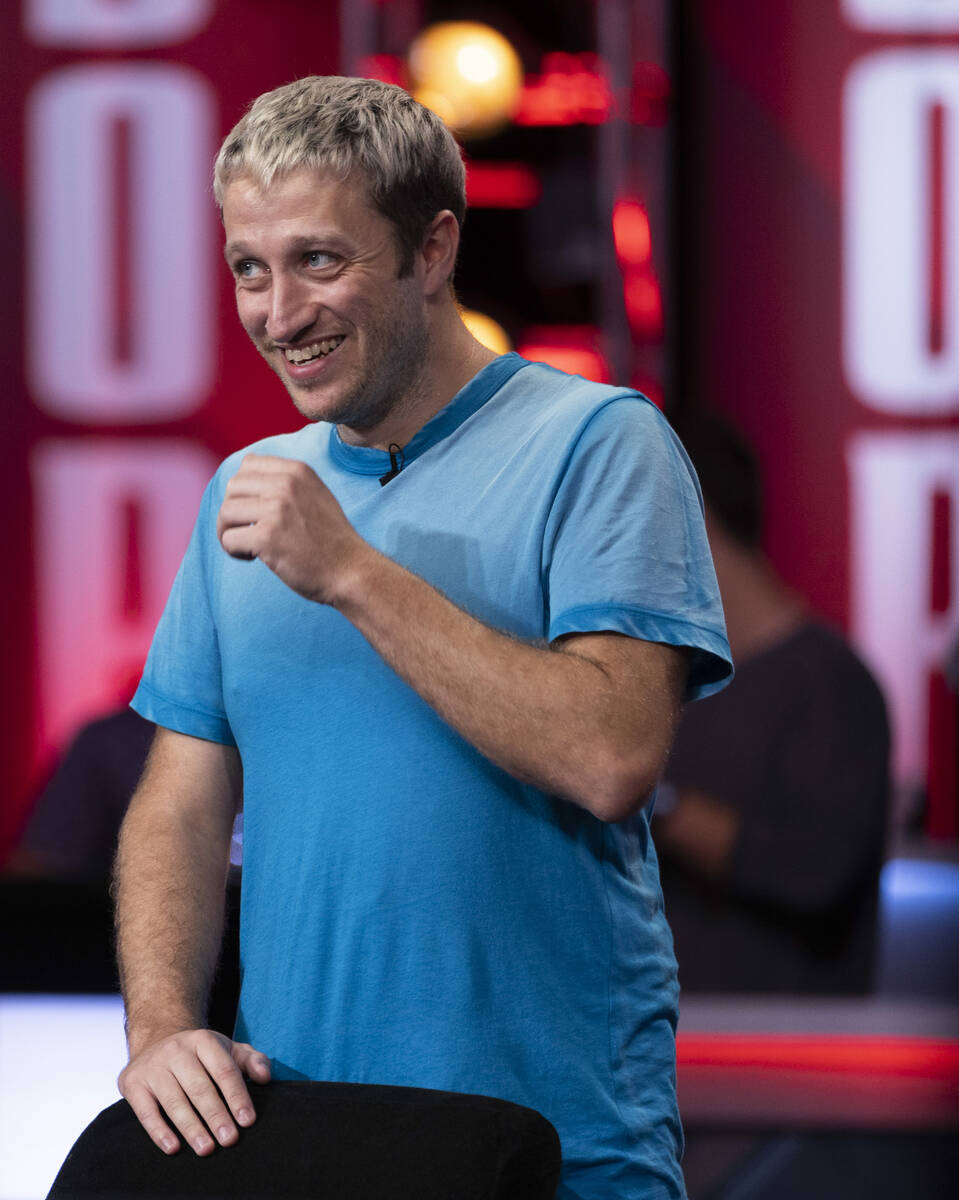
x=397, y=459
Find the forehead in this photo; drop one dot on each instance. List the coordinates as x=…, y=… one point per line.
x=300, y=203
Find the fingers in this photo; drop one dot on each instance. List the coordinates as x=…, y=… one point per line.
x=267, y=465
x=147, y=1112
x=240, y=510
x=194, y=1081
x=251, y=1062
x=265, y=472
x=236, y=527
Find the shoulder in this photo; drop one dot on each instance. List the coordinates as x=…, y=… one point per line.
x=579, y=412
x=302, y=444
x=830, y=669
x=559, y=393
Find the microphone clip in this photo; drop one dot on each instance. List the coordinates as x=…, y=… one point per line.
x=397, y=462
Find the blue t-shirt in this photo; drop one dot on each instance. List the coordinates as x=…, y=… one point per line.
x=411, y=914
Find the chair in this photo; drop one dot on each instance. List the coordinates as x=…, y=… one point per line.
x=327, y=1141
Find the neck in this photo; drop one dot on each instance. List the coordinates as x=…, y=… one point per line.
x=453, y=357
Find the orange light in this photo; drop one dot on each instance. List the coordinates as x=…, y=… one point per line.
x=631, y=232
x=486, y=330
x=468, y=73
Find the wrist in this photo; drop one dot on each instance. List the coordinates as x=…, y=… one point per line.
x=356, y=578
x=142, y=1034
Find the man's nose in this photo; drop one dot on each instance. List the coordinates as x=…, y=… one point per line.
x=291, y=310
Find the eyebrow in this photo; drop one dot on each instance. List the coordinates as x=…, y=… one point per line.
x=234, y=250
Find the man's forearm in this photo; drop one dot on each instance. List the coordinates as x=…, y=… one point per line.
x=592, y=725
x=170, y=878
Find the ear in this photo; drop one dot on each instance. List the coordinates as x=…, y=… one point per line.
x=438, y=253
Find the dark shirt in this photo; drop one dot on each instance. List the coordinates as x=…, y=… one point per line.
x=73, y=828
x=799, y=745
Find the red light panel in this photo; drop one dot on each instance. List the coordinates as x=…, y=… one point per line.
x=631, y=232
x=849, y=1081
x=644, y=304
x=501, y=185
x=829, y=1052
x=649, y=96
x=388, y=68
x=571, y=90
x=570, y=348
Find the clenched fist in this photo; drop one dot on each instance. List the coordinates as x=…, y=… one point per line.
x=279, y=511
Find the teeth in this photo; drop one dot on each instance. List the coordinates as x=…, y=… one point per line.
x=302, y=354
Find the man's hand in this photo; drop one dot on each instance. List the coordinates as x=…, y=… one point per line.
x=278, y=510
x=189, y=1073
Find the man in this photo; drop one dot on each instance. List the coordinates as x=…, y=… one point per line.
x=772, y=821
x=439, y=637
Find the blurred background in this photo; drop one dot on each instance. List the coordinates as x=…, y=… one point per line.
x=747, y=209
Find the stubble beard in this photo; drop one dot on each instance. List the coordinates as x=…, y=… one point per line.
x=390, y=382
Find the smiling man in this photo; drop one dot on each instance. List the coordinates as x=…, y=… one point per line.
x=438, y=640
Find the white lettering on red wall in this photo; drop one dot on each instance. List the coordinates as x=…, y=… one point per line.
x=901, y=339
x=900, y=347
x=112, y=519
x=894, y=481
x=121, y=253
x=121, y=330
x=903, y=16
x=119, y=24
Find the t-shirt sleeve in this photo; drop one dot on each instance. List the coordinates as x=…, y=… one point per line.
x=182, y=686
x=626, y=549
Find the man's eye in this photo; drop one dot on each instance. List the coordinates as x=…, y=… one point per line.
x=247, y=269
x=318, y=259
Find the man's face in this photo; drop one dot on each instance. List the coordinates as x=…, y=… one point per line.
x=317, y=290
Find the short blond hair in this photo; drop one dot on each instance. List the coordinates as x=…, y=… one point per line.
x=411, y=162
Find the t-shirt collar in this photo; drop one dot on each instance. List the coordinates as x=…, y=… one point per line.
x=367, y=460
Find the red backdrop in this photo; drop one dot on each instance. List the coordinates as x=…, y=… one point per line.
x=126, y=373
x=820, y=276
x=819, y=220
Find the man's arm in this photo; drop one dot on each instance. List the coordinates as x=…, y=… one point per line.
x=170, y=878
x=590, y=720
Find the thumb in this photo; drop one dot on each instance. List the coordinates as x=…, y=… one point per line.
x=251, y=1062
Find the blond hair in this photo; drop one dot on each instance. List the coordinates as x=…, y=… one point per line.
x=410, y=161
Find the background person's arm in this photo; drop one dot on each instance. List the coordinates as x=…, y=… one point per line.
x=170, y=879
x=698, y=830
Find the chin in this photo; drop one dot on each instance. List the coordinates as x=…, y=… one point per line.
x=312, y=408
x=347, y=410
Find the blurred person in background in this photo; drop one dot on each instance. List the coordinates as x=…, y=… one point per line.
x=771, y=820
x=71, y=832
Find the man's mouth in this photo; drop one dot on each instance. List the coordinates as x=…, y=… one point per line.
x=305, y=354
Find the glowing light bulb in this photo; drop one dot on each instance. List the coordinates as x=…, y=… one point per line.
x=477, y=63
x=468, y=74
